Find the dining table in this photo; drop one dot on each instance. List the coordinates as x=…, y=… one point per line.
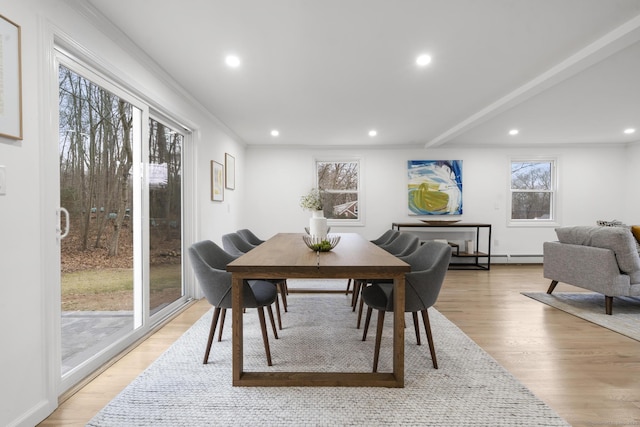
x=287, y=255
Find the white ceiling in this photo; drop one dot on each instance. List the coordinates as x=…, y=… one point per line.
x=325, y=72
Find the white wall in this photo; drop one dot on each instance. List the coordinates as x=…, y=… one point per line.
x=632, y=183
x=592, y=186
x=29, y=253
x=217, y=218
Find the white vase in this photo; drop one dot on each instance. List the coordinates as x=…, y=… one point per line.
x=318, y=225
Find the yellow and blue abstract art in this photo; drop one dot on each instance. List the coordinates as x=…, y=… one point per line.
x=435, y=187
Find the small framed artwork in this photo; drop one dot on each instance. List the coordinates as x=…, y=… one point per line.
x=217, y=181
x=10, y=80
x=230, y=171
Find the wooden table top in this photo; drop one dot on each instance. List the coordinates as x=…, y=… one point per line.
x=286, y=255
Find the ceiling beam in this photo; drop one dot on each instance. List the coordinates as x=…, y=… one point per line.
x=614, y=41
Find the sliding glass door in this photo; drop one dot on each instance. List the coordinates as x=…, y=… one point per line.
x=96, y=136
x=121, y=186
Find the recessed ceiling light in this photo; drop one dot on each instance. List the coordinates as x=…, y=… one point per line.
x=373, y=132
x=514, y=132
x=232, y=61
x=423, y=60
x=275, y=132
x=629, y=131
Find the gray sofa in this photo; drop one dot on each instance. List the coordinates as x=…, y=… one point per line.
x=601, y=259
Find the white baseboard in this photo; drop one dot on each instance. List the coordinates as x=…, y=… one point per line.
x=34, y=415
x=516, y=259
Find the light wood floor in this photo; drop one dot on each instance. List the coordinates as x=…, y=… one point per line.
x=590, y=376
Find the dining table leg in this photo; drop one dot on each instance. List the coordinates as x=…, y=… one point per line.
x=398, y=329
x=237, y=333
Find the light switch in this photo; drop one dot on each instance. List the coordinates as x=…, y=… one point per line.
x=3, y=181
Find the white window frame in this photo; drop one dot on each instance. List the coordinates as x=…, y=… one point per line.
x=360, y=192
x=553, y=221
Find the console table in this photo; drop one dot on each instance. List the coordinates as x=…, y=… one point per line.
x=477, y=256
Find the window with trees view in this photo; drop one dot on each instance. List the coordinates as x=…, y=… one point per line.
x=96, y=157
x=339, y=183
x=533, y=190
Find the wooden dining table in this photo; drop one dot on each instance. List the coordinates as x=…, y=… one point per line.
x=286, y=255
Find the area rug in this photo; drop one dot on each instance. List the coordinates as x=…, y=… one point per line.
x=589, y=306
x=469, y=389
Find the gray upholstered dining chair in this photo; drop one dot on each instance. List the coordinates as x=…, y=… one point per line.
x=209, y=263
x=401, y=246
x=237, y=246
x=429, y=266
x=384, y=238
x=254, y=240
x=250, y=237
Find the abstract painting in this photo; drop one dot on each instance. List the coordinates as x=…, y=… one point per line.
x=435, y=187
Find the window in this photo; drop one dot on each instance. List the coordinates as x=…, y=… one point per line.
x=339, y=182
x=533, y=191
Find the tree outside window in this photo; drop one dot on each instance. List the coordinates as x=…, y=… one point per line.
x=532, y=190
x=339, y=183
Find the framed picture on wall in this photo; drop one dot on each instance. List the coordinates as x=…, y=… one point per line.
x=10, y=80
x=230, y=171
x=434, y=187
x=217, y=179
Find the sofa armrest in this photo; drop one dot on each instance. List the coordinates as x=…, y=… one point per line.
x=585, y=266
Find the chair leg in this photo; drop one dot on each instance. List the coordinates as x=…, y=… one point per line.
x=283, y=293
x=427, y=327
x=552, y=286
x=348, y=287
x=278, y=313
x=376, y=351
x=361, y=306
x=416, y=326
x=265, y=338
x=356, y=292
x=273, y=323
x=223, y=313
x=366, y=323
x=212, y=330
x=608, y=305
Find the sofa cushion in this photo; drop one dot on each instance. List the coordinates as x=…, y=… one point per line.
x=618, y=239
x=616, y=223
